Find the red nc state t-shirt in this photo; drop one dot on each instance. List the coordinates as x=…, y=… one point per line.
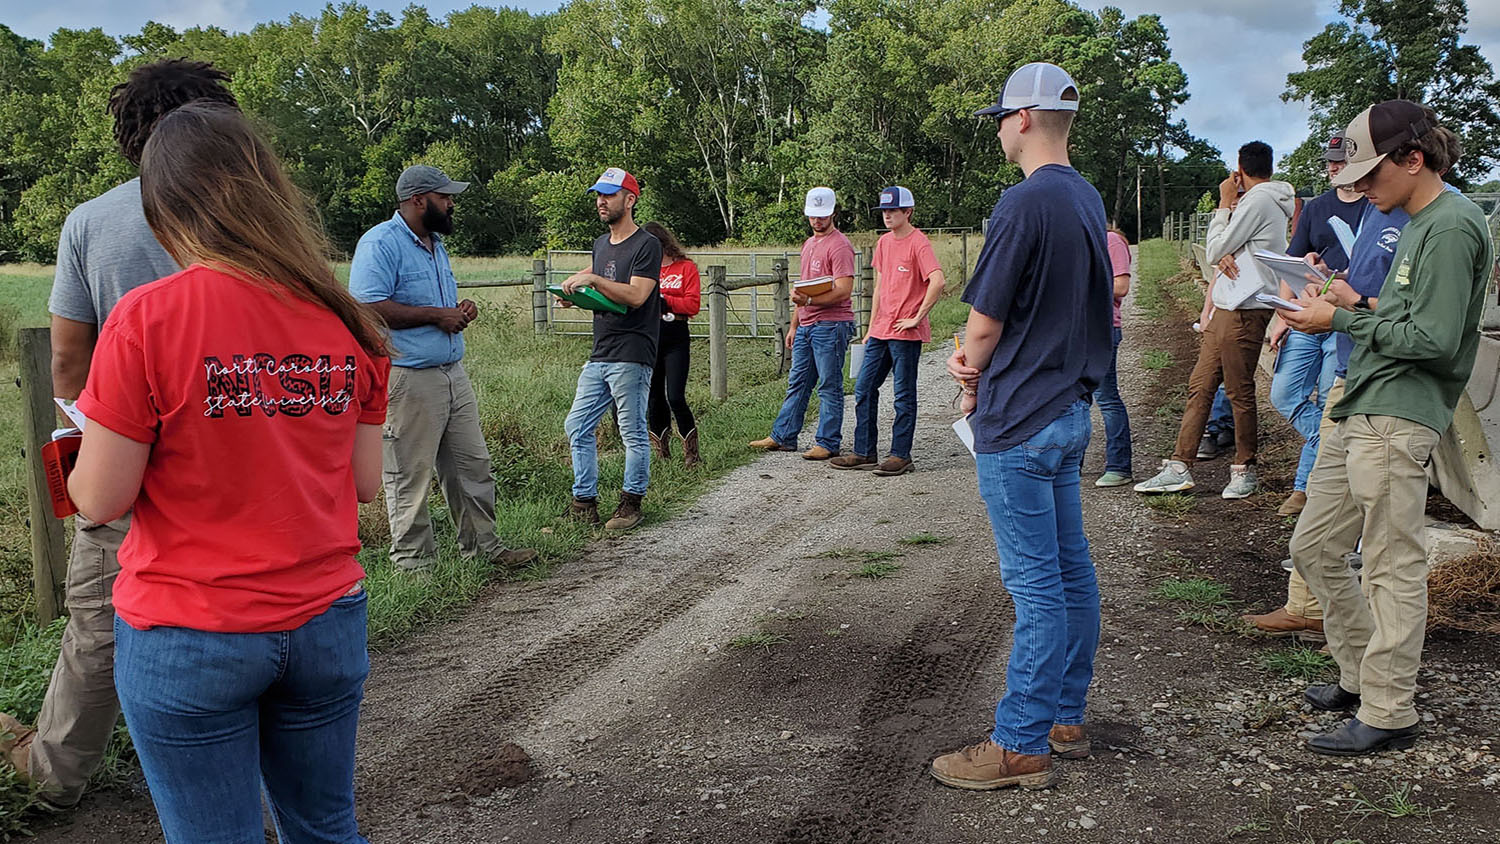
x=246, y=520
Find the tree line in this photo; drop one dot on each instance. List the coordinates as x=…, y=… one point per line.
x=726, y=111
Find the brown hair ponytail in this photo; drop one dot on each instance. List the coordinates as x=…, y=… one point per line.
x=214, y=193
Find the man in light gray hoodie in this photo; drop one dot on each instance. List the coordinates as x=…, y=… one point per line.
x=1252, y=215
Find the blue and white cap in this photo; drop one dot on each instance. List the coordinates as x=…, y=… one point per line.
x=895, y=196
x=1040, y=86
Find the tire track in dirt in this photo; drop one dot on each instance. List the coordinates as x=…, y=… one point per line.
x=877, y=785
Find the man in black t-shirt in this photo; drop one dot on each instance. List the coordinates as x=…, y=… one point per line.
x=626, y=267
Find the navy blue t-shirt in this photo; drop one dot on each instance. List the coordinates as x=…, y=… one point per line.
x=1045, y=273
x=1314, y=234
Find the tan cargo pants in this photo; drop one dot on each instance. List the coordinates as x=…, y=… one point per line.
x=1299, y=599
x=432, y=425
x=80, y=710
x=1370, y=484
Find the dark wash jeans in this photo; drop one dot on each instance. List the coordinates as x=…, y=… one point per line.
x=217, y=716
x=1116, y=420
x=883, y=357
x=1031, y=492
x=817, y=361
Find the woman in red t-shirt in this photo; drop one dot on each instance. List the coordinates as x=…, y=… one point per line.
x=237, y=407
x=680, y=300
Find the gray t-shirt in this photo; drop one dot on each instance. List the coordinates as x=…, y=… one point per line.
x=106, y=250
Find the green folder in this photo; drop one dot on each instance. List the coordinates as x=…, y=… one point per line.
x=588, y=298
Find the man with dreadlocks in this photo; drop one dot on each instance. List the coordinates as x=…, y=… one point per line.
x=106, y=250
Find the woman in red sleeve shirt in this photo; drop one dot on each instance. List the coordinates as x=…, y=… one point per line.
x=237, y=406
x=680, y=300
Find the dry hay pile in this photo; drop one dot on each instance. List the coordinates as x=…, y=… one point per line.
x=1465, y=594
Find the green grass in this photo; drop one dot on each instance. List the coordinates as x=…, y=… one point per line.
x=1247, y=826
x=1299, y=663
x=1397, y=802
x=1176, y=504
x=1156, y=360
x=1198, y=591
x=856, y=554
x=759, y=640
x=877, y=569
x=923, y=538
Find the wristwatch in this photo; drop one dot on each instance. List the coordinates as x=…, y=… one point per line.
x=1363, y=304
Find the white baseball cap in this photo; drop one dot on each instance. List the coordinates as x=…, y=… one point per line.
x=1040, y=86
x=820, y=203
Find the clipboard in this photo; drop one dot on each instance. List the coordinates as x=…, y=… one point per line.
x=1293, y=271
x=588, y=298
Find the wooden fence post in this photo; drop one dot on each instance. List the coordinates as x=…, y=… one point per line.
x=49, y=561
x=539, y=296
x=963, y=273
x=718, y=333
x=864, y=286
x=783, y=312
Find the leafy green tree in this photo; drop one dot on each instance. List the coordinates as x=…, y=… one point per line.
x=1397, y=49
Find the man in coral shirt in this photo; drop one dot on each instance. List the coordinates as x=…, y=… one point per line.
x=908, y=282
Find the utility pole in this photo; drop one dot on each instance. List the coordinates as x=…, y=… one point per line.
x=1137, y=202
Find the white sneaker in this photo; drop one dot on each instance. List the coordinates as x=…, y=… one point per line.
x=1173, y=477
x=1241, y=482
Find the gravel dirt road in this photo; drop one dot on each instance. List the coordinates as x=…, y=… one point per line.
x=728, y=676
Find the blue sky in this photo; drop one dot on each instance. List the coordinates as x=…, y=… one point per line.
x=1236, y=53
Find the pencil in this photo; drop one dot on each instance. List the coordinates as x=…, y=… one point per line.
x=956, y=347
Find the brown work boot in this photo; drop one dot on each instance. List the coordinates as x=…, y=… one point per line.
x=690, y=456
x=661, y=445
x=1068, y=741
x=1293, y=504
x=628, y=514
x=515, y=558
x=15, y=744
x=817, y=452
x=893, y=465
x=852, y=461
x=987, y=766
x=584, y=510
x=1279, y=623
x=769, y=444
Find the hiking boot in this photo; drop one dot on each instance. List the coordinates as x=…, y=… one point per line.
x=1293, y=504
x=893, y=465
x=853, y=461
x=1113, y=478
x=1208, y=447
x=515, y=558
x=1068, y=741
x=817, y=452
x=628, y=514
x=987, y=766
x=770, y=444
x=15, y=744
x=1173, y=477
x=661, y=445
x=584, y=510
x=690, y=456
x=1241, y=482
x=1278, y=623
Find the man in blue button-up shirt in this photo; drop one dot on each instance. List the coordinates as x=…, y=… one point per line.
x=401, y=270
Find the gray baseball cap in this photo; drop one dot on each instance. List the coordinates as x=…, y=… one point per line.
x=424, y=178
x=1040, y=86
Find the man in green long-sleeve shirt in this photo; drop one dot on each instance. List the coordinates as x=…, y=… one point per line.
x=1413, y=352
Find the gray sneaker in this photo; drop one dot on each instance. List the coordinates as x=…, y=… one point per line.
x=1241, y=482
x=1173, y=477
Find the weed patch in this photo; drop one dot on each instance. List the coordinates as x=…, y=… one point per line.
x=1397, y=802
x=760, y=639
x=877, y=570
x=1199, y=591
x=1156, y=359
x=923, y=538
x=1175, y=504
x=1298, y=663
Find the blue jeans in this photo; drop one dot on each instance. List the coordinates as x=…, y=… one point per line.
x=1305, y=363
x=1220, y=416
x=628, y=387
x=817, y=360
x=881, y=358
x=217, y=716
x=1116, y=420
x=1031, y=492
